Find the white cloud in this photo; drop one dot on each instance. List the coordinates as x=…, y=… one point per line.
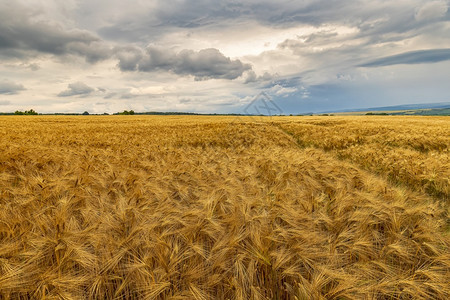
x=279, y=90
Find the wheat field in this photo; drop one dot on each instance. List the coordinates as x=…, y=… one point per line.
x=203, y=207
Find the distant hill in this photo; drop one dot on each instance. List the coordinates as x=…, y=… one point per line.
x=424, y=112
x=427, y=109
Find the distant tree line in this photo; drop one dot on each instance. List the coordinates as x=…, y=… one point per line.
x=132, y=112
x=376, y=114
x=27, y=112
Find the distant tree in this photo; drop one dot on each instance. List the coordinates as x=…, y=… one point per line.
x=105, y=113
x=85, y=113
x=126, y=112
x=27, y=112
x=30, y=112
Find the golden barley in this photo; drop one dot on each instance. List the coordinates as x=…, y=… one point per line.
x=175, y=207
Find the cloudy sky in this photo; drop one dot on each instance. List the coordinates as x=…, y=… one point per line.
x=216, y=56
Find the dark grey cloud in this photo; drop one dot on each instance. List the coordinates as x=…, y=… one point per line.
x=163, y=17
x=204, y=64
x=129, y=57
x=22, y=36
x=151, y=21
x=10, y=88
x=77, y=89
x=412, y=57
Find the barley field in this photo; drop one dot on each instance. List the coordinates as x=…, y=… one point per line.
x=199, y=207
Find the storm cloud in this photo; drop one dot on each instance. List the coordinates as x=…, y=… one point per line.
x=204, y=64
x=77, y=89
